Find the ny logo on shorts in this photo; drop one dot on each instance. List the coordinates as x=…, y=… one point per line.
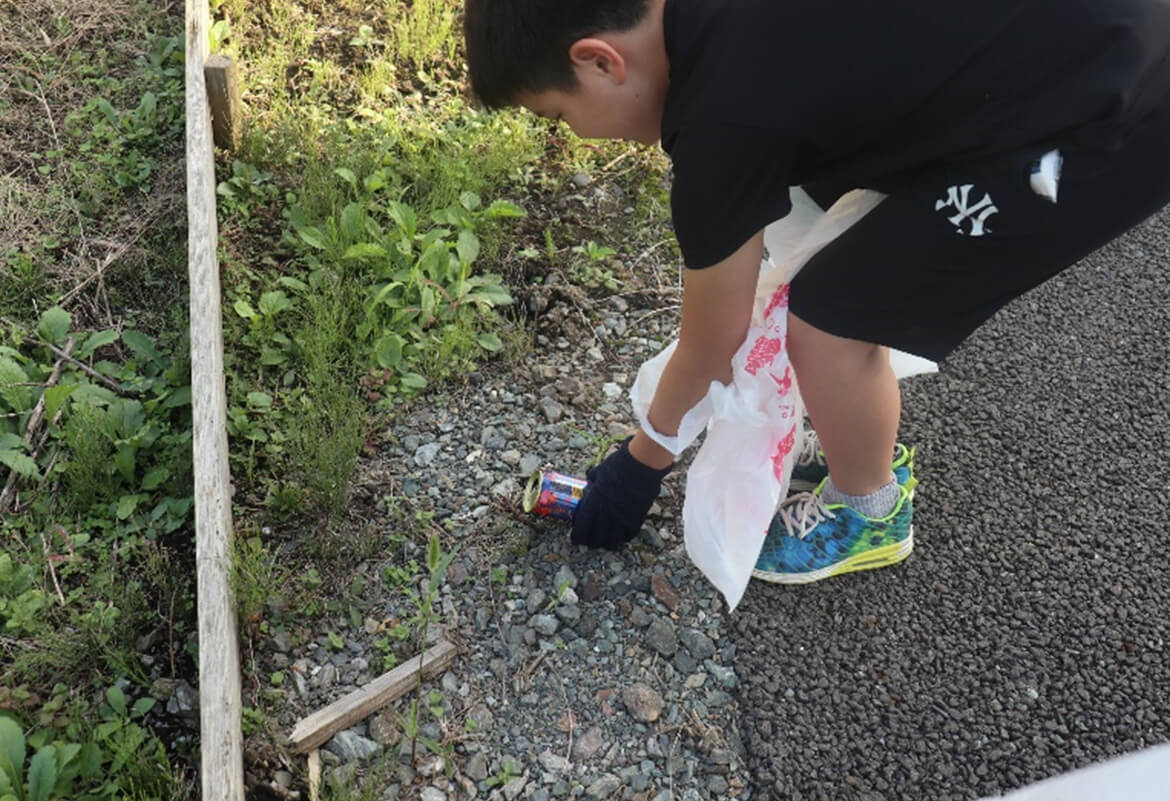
x=958, y=198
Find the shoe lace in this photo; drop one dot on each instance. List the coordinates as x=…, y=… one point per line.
x=810, y=450
x=803, y=512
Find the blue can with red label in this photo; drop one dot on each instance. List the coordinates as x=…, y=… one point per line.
x=555, y=495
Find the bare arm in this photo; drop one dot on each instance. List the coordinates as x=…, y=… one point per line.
x=716, y=313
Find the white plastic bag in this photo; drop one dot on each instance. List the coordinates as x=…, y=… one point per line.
x=754, y=424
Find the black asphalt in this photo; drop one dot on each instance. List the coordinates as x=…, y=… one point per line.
x=1029, y=633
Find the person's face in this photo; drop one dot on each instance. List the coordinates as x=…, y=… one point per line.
x=611, y=100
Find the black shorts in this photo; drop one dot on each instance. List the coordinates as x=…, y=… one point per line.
x=946, y=250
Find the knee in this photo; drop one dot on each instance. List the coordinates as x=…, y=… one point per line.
x=811, y=349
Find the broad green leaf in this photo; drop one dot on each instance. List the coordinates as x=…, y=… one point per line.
x=180, y=397
x=142, y=706
x=404, y=215
x=117, y=699
x=11, y=392
x=365, y=250
x=126, y=506
x=148, y=105
x=125, y=460
x=68, y=752
x=351, y=221
x=244, y=309
x=154, y=477
x=11, y=442
x=469, y=201
x=142, y=345
x=491, y=295
x=274, y=302
x=55, y=396
x=294, y=284
x=378, y=298
x=133, y=416
x=312, y=237
x=95, y=341
x=347, y=176
x=388, y=351
x=489, y=342
x=259, y=400
x=467, y=246
x=42, y=774
x=90, y=759
x=413, y=381
x=11, y=748
x=20, y=464
x=54, y=324
x=502, y=208
x=427, y=300
x=374, y=182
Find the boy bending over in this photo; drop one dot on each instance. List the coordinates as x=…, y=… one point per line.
x=1011, y=137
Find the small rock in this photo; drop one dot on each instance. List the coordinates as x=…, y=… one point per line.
x=352, y=747
x=426, y=454
x=698, y=643
x=384, y=730
x=553, y=763
x=529, y=464
x=514, y=787
x=611, y=390
x=588, y=745
x=564, y=578
x=510, y=457
x=604, y=787
x=664, y=591
x=642, y=702
x=432, y=794
x=553, y=411
x=545, y=624
x=184, y=701
x=661, y=637
x=581, y=180
x=477, y=768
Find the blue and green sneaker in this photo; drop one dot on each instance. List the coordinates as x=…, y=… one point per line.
x=810, y=540
x=810, y=468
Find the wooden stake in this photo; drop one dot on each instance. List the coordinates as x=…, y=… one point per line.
x=318, y=727
x=223, y=93
x=314, y=775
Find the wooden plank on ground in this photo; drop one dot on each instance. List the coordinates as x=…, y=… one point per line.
x=223, y=93
x=318, y=727
x=219, y=662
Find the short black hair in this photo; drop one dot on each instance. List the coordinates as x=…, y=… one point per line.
x=516, y=46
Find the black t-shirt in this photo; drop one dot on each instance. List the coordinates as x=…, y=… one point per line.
x=767, y=94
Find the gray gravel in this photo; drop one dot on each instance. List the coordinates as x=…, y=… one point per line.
x=580, y=674
x=1027, y=635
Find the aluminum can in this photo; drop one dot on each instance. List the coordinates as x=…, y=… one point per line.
x=555, y=495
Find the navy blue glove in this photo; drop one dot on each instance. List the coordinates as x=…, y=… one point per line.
x=616, y=501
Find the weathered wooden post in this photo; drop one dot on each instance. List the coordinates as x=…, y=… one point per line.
x=223, y=93
x=219, y=660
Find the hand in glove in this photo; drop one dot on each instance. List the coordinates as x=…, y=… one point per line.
x=614, y=506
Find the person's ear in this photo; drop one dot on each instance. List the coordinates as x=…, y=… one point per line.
x=599, y=57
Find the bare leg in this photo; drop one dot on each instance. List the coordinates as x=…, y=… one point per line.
x=853, y=401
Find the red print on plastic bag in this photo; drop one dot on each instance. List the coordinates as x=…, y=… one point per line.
x=783, y=448
x=763, y=353
x=783, y=385
x=779, y=298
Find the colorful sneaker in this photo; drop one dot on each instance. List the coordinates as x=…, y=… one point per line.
x=810, y=540
x=810, y=468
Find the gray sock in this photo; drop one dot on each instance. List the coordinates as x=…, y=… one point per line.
x=875, y=505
